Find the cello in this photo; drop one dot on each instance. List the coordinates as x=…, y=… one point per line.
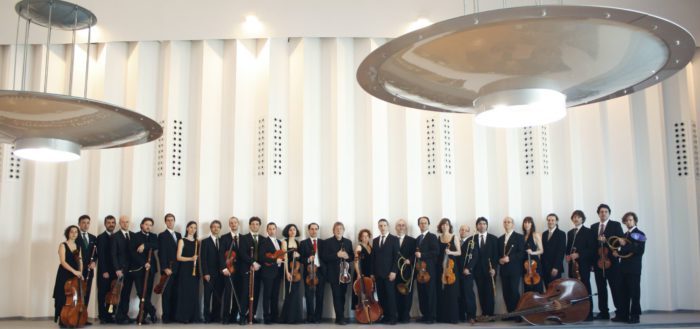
x=74, y=314
x=367, y=309
x=566, y=301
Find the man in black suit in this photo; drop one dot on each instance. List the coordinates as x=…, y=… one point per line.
x=310, y=250
x=485, y=268
x=232, y=281
x=511, y=249
x=630, y=253
x=467, y=263
x=142, y=247
x=167, y=257
x=105, y=268
x=407, y=250
x=249, y=262
x=335, y=250
x=385, y=254
x=88, y=248
x=554, y=245
x=213, y=283
x=120, y=261
x=427, y=251
x=602, y=231
x=271, y=273
x=581, y=248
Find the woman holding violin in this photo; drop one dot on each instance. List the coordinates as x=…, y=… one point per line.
x=291, y=309
x=71, y=266
x=447, y=283
x=533, y=249
x=364, y=247
x=187, y=310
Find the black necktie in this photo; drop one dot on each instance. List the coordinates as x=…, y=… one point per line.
x=381, y=242
x=420, y=239
x=481, y=241
x=216, y=244
x=85, y=239
x=127, y=236
x=235, y=241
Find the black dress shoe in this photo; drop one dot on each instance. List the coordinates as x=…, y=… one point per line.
x=633, y=319
x=619, y=319
x=589, y=318
x=602, y=316
x=88, y=323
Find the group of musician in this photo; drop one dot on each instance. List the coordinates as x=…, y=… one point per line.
x=233, y=269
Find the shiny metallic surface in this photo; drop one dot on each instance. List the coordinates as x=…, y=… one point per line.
x=62, y=14
x=89, y=123
x=589, y=54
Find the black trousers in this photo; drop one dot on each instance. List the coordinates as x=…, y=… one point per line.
x=511, y=291
x=485, y=289
x=602, y=282
x=314, y=299
x=271, y=293
x=386, y=291
x=467, y=300
x=122, y=311
x=427, y=298
x=230, y=303
x=629, y=295
x=547, y=276
x=169, y=299
x=245, y=293
x=103, y=286
x=139, y=282
x=339, y=291
x=212, y=297
x=404, y=304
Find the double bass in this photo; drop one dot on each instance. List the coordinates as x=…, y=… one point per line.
x=74, y=314
x=367, y=309
x=566, y=301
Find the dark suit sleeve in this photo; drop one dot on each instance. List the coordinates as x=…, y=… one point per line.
x=102, y=258
x=162, y=259
x=327, y=254
x=246, y=241
x=115, y=253
x=429, y=252
x=588, y=253
x=560, y=249
x=518, y=252
x=395, y=255
x=348, y=249
x=205, y=260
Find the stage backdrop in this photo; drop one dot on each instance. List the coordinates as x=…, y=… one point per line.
x=279, y=128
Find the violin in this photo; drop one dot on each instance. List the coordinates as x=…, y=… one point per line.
x=448, y=269
x=114, y=294
x=274, y=256
x=296, y=269
x=74, y=314
x=367, y=309
x=422, y=267
x=312, y=278
x=567, y=301
x=604, y=262
x=531, y=275
x=344, y=276
x=230, y=256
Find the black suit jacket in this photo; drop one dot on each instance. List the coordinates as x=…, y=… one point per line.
x=245, y=256
x=104, y=254
x=632, y=264
x=407, y=249
x=585, y=243
x=120, y=251
x=514, y=248
x=384, y=258
x=428, y=247
x=86, y=251
x=167, y=250
x=613, y=228
x=554, y=250
x=150, y=242
x=226, y=244
x=210, y=257
x=487, y=253
x=269, y=265
x=331, y=246
x=306, y=249
x=470, y=254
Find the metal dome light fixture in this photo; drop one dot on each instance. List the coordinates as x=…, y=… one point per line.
x=55, y=127
x=523, y=66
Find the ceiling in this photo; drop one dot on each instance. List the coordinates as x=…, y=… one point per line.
x=139, y=20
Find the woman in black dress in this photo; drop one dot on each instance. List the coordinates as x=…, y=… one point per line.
x=188, y=276
x=71, y=266
x=533, y=247
x=364, y=247
x=447, y=294
x=291, y=310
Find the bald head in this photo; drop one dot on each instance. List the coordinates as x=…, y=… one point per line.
x=463, y=231
x=124, y=222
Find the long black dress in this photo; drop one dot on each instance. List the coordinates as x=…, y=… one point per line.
x=187, y=287
x=291, y=309
x=366, y=267
x=447, y=295
x=530, y=244
x=63, y=275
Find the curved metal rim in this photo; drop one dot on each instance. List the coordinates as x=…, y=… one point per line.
x=149, y=125
x=25, y=5
x=679, y=42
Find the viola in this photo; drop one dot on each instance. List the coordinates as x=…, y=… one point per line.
x=344, y=269
x=422, y=267
x=312, y=277
x=74, y=314
x=603, y=260
x=114, y=294
x=531, y=275
x=367, y=309
x=230, y=256
x=566, y=301
x=448, y=269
